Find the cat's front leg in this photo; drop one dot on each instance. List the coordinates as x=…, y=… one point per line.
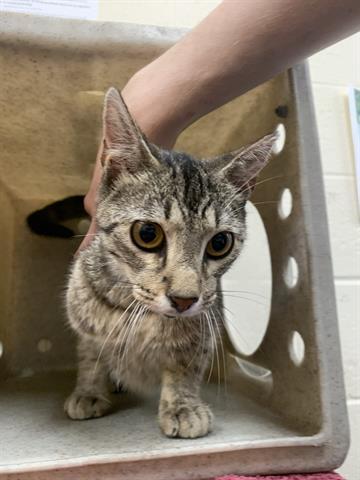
x=182, y=413
x=90, y=398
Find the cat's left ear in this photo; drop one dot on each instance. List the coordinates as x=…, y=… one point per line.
x=126, y=149
x=241, y=167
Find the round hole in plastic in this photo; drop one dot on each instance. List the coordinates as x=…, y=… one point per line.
x=281, y=139
x=247, y=289
x=1, y=349
x=44, y=345
x=291, y=273
x=27, y=372
x=285, y=204
x=296, y=348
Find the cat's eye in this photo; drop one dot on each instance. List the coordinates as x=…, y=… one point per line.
x=147, y=235
x=220, y=245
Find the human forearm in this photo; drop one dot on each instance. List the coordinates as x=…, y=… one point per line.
x=238, y=46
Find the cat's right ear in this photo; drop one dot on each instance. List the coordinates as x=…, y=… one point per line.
x=126, y=150
x=241, y=167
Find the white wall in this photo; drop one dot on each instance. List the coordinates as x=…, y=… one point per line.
x=332, y=71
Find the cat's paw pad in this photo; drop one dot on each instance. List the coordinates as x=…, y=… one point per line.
x=186, y=421
x=81, y=407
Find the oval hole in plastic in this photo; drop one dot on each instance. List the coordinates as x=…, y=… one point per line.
x=281, y=139
x=291, y=273
x=247, y=289
x=285, y=204
x=296, y=348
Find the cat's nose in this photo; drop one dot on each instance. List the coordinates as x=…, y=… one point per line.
x=181, y=303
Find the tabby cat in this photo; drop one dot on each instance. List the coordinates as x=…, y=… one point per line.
x=143, y=297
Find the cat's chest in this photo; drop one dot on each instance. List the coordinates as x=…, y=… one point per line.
x=153, y=340
x=142, y=356
x=162, y=335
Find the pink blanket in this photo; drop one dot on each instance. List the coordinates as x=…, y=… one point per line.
x=313, y=476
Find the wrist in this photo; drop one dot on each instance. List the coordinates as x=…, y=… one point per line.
x=153, y=107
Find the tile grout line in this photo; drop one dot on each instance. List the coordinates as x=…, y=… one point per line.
x=317, y=83
x=346, y=280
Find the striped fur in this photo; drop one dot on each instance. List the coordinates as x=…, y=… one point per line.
x=118, y=295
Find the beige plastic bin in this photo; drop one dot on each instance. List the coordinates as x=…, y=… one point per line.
x=52, y=75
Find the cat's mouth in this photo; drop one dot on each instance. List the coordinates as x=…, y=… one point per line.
x=165, y=307
x=171, y=312
x=182, y=314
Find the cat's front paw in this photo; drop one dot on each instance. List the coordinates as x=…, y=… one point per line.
x=186, y=420
x=81, y=407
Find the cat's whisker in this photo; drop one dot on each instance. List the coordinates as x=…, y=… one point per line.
x=216, y=348
x=129, y=326
x=116, y=324
x=127, y=341
x=212, y=313
x=218, y=357
x=136, y=325
x=128, y=296
x=235, y=327
x=125, y=282
x=145, y=312
x=244, y=190
x=198, y=347
x=240, y=297
x=117, y=341
x=212, y=348
x=120, y=336
x=86, y=235
x=129, y=284
x=241, y=189
x=203, y=338
x=266, y=202
x=248, y=292
x=264, y=181
x=121, y=341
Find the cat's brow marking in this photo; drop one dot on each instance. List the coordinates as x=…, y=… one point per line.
x=205, y=207
x=167, y=209
x=108, y=229
x=176, y=213
x=212, y=218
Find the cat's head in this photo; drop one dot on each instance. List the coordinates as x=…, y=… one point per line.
x=172, y=224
